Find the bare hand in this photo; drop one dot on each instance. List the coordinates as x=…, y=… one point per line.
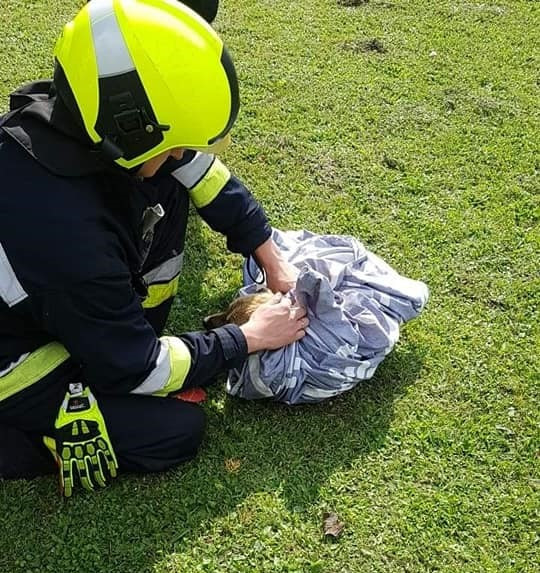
x=280, y=274
x=275, y=324
x=282, y=278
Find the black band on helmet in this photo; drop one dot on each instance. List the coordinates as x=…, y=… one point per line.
x=228, y=66
x=126, y=121
x=64, y=91
x=126, y=118
x=205, y=8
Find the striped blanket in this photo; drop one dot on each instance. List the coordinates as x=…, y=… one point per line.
x=355, y=303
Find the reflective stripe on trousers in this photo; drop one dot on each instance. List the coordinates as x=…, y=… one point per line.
x=33, y=368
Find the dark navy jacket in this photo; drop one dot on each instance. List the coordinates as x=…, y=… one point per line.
x=70, y=263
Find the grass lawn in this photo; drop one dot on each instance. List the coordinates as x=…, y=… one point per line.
x=414, y=126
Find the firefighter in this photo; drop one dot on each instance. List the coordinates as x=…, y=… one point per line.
x=98, y=168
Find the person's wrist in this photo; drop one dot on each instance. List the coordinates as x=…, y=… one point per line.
x=275, y=264
x=268, y=256
x=253, y=339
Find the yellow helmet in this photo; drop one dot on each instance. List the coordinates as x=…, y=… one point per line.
x=146, y=76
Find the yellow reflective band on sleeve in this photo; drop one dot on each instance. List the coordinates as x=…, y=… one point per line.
x=36, y=366
x=180, y=361
x=210, y=185
x=159, y=293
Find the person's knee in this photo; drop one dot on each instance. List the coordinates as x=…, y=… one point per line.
x=170, y=439
x=191, y=428
x=184, y=436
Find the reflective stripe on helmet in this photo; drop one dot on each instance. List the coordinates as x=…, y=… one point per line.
x=112, y=54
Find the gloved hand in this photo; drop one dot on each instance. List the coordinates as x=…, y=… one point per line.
x=81, y=445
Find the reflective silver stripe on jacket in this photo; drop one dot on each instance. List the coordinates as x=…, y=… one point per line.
x=159, y=376
x=191, y=173
x=11, y=290
x=165, y=272
x=111, y=50
x=14, y=364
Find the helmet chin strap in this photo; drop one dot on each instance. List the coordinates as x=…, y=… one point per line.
x=109, y=149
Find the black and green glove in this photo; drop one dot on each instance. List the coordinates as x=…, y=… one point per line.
x=81, y=444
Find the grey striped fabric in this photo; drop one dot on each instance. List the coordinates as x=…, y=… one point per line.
x=355, y=302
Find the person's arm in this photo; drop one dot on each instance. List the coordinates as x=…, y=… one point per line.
x=227, y=205
x=102, y=325
x=280, y=274
x=222, y=200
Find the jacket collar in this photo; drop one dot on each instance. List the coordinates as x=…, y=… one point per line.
x=41, y=124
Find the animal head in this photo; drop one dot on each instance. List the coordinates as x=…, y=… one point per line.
x=239, y=310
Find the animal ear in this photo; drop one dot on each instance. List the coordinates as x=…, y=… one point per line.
x=215, y=320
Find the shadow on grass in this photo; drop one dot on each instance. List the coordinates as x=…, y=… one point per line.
x=297, y=448
x=139, y=521
x=293, y=451
x=193, y=301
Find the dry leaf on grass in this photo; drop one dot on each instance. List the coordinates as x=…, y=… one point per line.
x=232, y=465
x=332, y=527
